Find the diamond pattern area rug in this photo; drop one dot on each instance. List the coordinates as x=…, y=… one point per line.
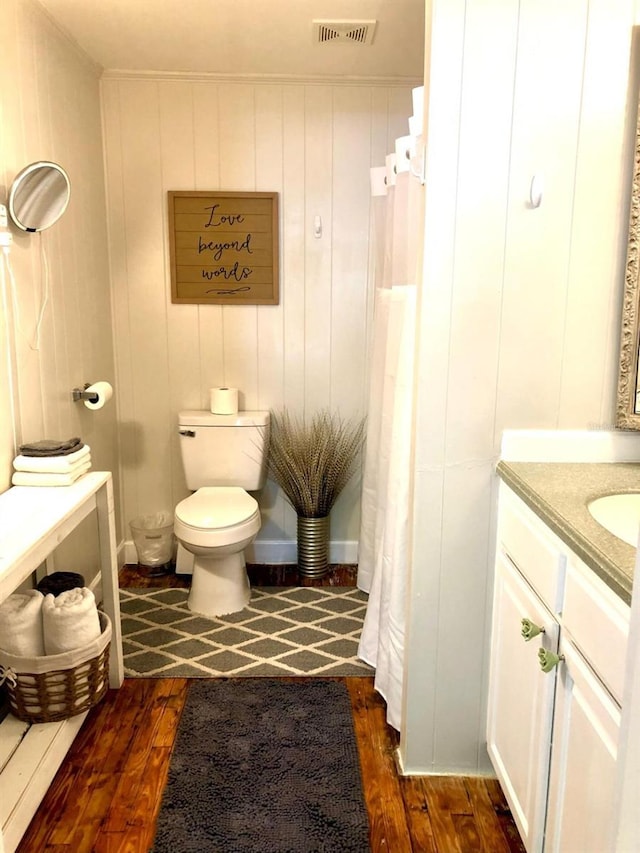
x=283, y=631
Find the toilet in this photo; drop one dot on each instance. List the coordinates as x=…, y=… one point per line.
x=224, y=458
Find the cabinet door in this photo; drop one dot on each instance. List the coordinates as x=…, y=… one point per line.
x=520, y=701
x=583, y=761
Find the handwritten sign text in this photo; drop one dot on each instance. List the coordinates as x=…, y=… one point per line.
x=224, y=247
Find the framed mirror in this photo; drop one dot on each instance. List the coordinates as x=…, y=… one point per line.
x=39, y=196
x=628, y=402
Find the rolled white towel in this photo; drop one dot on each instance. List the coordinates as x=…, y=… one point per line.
x=69, y=620
x=21, y=624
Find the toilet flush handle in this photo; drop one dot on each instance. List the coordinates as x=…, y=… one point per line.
x=189, y=433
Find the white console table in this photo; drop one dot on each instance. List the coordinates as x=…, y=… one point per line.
x=33, y=522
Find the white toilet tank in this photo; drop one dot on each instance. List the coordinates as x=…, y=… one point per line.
x=224, y=450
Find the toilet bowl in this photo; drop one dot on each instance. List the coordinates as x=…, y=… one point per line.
x=216, y=524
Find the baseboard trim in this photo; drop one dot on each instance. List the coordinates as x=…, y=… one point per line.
x=474, y=772
x=268, y=552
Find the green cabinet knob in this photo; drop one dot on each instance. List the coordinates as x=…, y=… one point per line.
x=548, y=659
x=530, y=629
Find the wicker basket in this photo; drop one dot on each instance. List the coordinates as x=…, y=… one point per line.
x=54, y=687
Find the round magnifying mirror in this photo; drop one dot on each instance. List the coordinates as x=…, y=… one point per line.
x=39, y=196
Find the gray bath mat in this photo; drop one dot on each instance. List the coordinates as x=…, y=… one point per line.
x=283, y=631
x=264, y=766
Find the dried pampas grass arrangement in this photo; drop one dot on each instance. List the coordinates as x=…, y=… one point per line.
x=313, y=461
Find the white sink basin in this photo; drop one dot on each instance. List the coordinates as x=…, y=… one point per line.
x=619, y=514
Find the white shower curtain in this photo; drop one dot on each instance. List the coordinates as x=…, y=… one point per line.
x=386, y=501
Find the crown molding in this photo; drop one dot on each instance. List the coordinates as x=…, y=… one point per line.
x=257, y=79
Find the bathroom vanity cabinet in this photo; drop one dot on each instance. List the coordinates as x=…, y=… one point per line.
x=33, y=522
x=558, y=651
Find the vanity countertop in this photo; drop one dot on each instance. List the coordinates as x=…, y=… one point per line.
x=558, y=492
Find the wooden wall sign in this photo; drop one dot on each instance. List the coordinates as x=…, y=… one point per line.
x=224, y=247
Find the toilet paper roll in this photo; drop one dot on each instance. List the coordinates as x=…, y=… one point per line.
x=224, y=401
x=104, y=392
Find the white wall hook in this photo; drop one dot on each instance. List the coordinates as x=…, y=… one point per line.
x=317, y=226
x=535, y=191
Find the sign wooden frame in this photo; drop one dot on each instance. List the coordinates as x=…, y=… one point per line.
x=223, y=247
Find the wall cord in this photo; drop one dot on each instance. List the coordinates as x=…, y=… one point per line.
x=35, y=345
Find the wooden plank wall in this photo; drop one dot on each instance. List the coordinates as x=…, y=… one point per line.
x=521, y=315
x=50, y=110
x=314, y=145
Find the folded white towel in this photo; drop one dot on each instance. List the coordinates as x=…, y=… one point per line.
x=53, y=464
x=31, y=478
x=72, y=473
x=21, y=624
x=69, y=620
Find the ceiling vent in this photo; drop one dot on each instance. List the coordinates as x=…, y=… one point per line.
x=353, y=32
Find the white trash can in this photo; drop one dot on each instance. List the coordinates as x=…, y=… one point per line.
x=153, y=538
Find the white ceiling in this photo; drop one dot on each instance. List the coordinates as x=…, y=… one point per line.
x=236, y=37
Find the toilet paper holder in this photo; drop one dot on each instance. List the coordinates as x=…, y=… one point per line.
x=78, y=394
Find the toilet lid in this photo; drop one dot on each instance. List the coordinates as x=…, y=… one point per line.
x=217, y=506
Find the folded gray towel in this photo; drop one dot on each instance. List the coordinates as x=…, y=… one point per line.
x=51, y=447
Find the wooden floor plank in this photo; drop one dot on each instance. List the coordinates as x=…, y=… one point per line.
x=496, y=795
x=55, y=803
x=147, y=728
x=451, y=793
x=111, y=842
x=503, y=813
x=67, y=798
x=133, y=840
x=417, y=811
x=100, y=764
x=358, y=692
x=147, y=806
x=485, y=817
x=166, y=732
x=394, y=816
x=442, y=794
x=467, y=834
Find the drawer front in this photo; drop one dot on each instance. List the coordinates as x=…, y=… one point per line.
x=598, y=622
x=533, y=549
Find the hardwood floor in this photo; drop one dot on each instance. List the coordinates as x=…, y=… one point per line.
x=106, y=795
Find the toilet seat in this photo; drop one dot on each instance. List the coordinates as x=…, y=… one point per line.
x=216, y=515
x=216, y=506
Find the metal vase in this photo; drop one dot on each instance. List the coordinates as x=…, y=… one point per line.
x=313, y=546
